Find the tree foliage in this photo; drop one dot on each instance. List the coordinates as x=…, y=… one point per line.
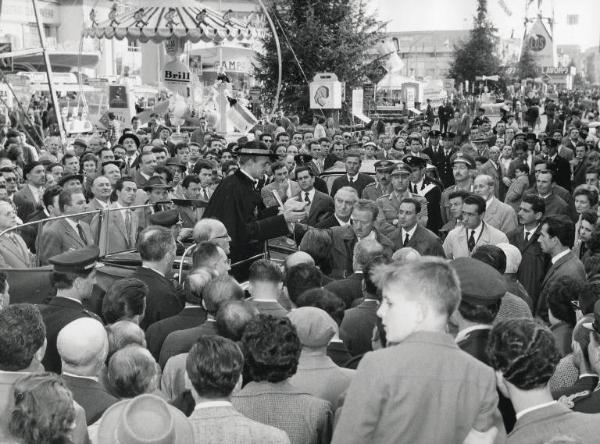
x=527, y=66
x=477, y=56
x=326, y=36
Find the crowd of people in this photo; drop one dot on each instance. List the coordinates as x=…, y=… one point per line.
x=442, y=288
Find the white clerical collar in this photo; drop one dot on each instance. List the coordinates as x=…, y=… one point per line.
x=462, y=335
x=212, y=404
x=559, y=255
x=535, y=407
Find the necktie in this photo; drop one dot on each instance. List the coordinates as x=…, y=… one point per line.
x=471, y=241
x=306, y=198
x=128, y=227
x=82, y=234
x=415, y=188
x=351, y=180
x=527, y=234
x=406, y=239
x=205, y=194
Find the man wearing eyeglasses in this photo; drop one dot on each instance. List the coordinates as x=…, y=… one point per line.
x=10, y=177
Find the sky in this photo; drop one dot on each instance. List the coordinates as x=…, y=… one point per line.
x=507, y=15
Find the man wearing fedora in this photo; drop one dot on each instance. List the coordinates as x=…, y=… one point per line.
x=29, y=198
x=237, y=203
x=131, y=143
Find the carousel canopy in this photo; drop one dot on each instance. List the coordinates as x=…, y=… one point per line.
x=185, y=19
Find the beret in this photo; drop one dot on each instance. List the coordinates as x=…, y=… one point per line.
x=480, y=283
x=314, y=326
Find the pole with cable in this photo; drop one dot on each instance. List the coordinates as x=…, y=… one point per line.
x=278, y=47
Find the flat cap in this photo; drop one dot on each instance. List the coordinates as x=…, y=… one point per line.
x=531, y=136
x=387, y=165
x=414, y=161
x=464, y=158
x=256, y=149
x=401, y=168
x=63, y=180
x=156, y=182
x=174, y=162
x=76, y=261
x=314, y=326
x=165, y=219
x=80, y=142
x=30, y=166
x=480, y=284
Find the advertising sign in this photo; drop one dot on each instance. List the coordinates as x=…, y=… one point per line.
x=325, y=92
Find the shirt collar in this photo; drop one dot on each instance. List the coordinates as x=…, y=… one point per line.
x=102, y=204
x=341, y=222
x=525, y=230
x=559, y=255
x=156, y=271
x=370, y=236
x=80, y=376
x=212, y=404
x=409, y=232
x=72, y=223
x=311, y=195
x=462, y=335
x=535, y=407
x=351, y=178
x=477, y=230
x=489, y=201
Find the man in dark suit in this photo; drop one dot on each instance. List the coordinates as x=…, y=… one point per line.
x=410, y=234
x=157, y=248
x=356, y=329
x=237, y=203
x=83, y=346
x=147, y=166
x=442, y=158
x=319, y=205
x=343, y=201
x=69, y=233
x=192, y=315
x=556, y=239
x=560, y=165
x=215, y=294
x=352, y=178
x=29, y=198
x=534, y=262
x=425, y=187
x=74, y=276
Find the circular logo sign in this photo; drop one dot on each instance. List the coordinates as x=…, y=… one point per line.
x=537, y=42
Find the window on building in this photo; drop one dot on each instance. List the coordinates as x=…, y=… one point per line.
x=572, y=19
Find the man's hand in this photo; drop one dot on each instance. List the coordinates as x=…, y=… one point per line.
x=506, y=181
x=294, y=216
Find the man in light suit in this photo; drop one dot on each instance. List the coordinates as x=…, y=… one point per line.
x=29, y=198
x=556, y=239
x=69, y=233
x=119, y=227
x=319, y=205
x=418, y=299
x=463, y=240
x=410, y=234
x=13, y=250
x=519, y=349
x=284, y=186
x=214, y=367
x=497, y=214
x=101, y=191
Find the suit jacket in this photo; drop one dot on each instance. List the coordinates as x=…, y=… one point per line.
x=456, y=246
x=422, y=240
x=305, y=419
x=181, y=341
x=92, y=205
x=348, y=289
x=568, y=265
x=25, y=202
x=224, y=424
x=91, y=395
x=139, y=179
x=443, y=164
x=56, y=314
x=433, y=193
x=534, y=262
x=359, y=183
x=516, y=191
x=156, y=333
x=329, y=222
x=320, y=208
x=239, y=206
x=563, y=172
x=59, y=236
x=112, y=234
x=398, y=391
x=272, y=308
x=356, y=329
x=543, y=424
x=266, y=193
x=163, y=299
x=501, y=216
x=30, y=233
x=14, y=252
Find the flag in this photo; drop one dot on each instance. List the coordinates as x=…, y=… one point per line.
x=240, y=116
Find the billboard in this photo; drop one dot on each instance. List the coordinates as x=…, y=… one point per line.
x=540, y=43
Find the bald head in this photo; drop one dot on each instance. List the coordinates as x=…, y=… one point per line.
x=405, y=255
x=82, y=345
x=297, y=258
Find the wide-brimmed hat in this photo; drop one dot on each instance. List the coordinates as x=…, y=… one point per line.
x=255, y=148
x=131, y=136
x=145, y=419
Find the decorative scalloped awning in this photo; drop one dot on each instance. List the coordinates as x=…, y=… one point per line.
x=185, y=19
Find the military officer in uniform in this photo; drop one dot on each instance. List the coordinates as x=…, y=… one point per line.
x=425, y=187
x=463, y=169
x=74, y=276
x=383, y=184
x=389, y=204
x=442, y=159
x=238, y=205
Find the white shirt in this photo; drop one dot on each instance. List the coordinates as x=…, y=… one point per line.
x=341, y=222
x=37, y=192
x=72, y=223
x=122, y=213
x=103, y=205
x=461, y=335
x=352, y=179
x=409, y=232
x=477, y=232
x=525, y=231
x=311, y=195
x=370, y=236
x=535, y=407
x=559, y=255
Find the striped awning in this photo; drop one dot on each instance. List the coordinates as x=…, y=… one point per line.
x=187, y=19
